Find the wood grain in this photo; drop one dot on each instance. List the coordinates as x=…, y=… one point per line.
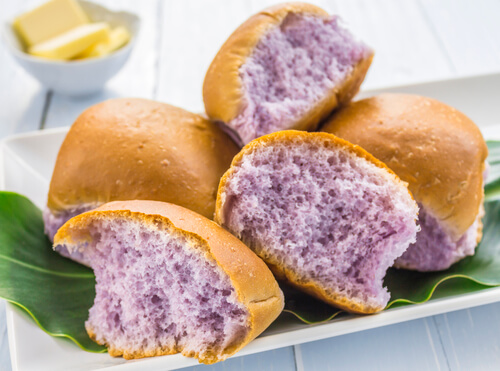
x=22, y=98
x=470, y=337
x=406, y=49
x=412, y=345
x=469, y=32
x=279, y=359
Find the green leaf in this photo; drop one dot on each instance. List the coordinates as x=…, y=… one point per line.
x=481, y=270
x=471, y=274
x=56, y=292
x=492, y=189
x=306, y=308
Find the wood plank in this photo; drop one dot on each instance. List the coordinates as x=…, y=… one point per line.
x=410, y=345
x=405, y=47
x=137, y=78
x=22, y=98
x=4, y=341
x=471, y=338
x=279, y=359
x=468, y=31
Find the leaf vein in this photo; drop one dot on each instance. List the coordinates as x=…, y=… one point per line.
x=47, y=271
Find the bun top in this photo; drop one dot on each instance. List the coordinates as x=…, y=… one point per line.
x=126, y=149
x=255, y=285
x=438, y=150
x=222, y=91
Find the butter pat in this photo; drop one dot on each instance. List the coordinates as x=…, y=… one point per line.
x=49, y=20
x=73, y=42
x=117, y=38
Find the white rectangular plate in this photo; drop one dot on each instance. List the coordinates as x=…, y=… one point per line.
x=28, y=160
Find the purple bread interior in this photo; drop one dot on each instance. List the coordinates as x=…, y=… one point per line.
x=291, y=68
x=331, y=217
x=434, y=249
x=53, y=221
x=158, y=292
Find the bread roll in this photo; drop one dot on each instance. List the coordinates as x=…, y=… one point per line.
x=169, y=280
x=128, y=149
x=325, y=215
x=441, y=153
x=286, y=67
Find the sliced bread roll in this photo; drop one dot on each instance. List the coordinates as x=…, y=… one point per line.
x=286, y=67
x=137, y=149
x=325, y=215
x=169, y=280
x=441, y=153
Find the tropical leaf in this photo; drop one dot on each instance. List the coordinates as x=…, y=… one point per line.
x=56, y=292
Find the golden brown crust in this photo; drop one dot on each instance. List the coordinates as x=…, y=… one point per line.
x=480, y=226
x=222, y=88
x=322, y=139
x=254, y=283
x=438, y=150
x=312, y=288
x=113, y=352
x=131, y=148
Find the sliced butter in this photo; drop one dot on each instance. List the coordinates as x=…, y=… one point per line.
x=49, y=20
x=72, y=43
x=117, y=38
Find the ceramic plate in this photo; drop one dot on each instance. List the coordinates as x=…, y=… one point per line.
x=28, y=160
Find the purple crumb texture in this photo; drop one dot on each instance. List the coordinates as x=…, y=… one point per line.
x=291, y=68
x=52, y=223
x=156, y=290
x=328, y=215
x=486, y=171
x=434, y=250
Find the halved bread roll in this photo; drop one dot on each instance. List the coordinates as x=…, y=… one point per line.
x=325, y=215
x=169, y=280
x=441, y=153
x=286, y=67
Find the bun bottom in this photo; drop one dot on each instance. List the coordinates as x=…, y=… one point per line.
x=53, y=221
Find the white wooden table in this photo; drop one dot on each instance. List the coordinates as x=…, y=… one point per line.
x=415, y=40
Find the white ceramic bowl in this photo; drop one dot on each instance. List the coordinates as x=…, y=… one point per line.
x=80, y=77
